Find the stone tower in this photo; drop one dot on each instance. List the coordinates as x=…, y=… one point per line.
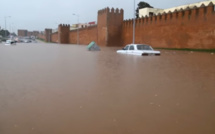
x=109, y=27
x=48, y=35
x=63, y=34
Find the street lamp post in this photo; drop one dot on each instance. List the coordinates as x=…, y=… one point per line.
x=77, y=29
x=134, y=25
x=5, y=18
x=11, y=27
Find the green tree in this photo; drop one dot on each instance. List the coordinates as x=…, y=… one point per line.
x=2, y=33
x=142, y=5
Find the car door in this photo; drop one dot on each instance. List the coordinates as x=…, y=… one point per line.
x=125, y=49
x=130, y=50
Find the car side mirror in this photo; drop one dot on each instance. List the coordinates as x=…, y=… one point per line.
x=123, y=48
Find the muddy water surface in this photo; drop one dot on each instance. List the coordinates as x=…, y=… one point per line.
x=64, y=89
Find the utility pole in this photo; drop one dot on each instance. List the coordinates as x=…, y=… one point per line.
x=77, y=28
x=134, y=25
x=5, y=18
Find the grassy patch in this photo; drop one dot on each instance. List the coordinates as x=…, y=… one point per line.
x=41, y=39
x=188, y=49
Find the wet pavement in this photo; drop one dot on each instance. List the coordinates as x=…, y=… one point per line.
x=65, y=89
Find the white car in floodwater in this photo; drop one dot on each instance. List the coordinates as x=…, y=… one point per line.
x=10, y=42
x=138, y=49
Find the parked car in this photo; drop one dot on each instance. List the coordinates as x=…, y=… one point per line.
x=10, y=42
x=139, y=49
x=27, y=41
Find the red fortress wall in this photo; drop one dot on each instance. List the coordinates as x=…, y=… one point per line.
x=54, y=37
x=63, y=33
x=114, y=27
x=190, y=28
x=106, y=33
x=86, y=35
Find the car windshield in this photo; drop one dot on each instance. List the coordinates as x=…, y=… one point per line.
x=126, y=48
x=144, y=47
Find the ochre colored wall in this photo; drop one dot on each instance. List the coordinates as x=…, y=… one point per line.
x=192, y=28
x=63, y=34
x=109, y=27
x=102, y=27
x=54, y=37
x=86, y=35
x=41, y=36
x=48, y=33
x=107, y=32
x=22, y=33
x=114, y=26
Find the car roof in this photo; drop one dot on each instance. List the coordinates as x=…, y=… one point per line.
x=137, y=44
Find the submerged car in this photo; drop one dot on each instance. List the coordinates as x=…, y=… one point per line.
x=10, y=42
x=139, y=49
x=27, y=41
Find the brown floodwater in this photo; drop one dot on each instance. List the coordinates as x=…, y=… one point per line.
x=65, y=89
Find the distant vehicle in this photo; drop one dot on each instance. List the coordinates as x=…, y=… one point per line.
x=10, y=42
x=27, y=41
x=139, y=49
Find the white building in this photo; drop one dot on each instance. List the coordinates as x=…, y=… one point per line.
x=154, y=11
x=149, y=12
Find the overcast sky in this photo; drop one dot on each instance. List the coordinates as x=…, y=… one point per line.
x=41, y=14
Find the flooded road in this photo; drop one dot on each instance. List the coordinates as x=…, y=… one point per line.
x=64, y=89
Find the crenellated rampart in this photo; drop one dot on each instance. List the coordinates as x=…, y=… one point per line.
x=189, y=14
x=54, y=37
x=63, y=33
x=110, y=26
x=188, y=28
x=41, y=36
x=83, y=35
x=48, y=33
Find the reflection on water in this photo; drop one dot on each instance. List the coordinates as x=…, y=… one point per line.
x=64, y=89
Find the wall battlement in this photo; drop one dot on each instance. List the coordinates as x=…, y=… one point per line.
x=111, y=11
x=48, y=33
x=84, y=28
x=186, y=14
x=105, y=10
x=189, y=27
x=109, y=26
x=63, y=33
x=64, y=25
